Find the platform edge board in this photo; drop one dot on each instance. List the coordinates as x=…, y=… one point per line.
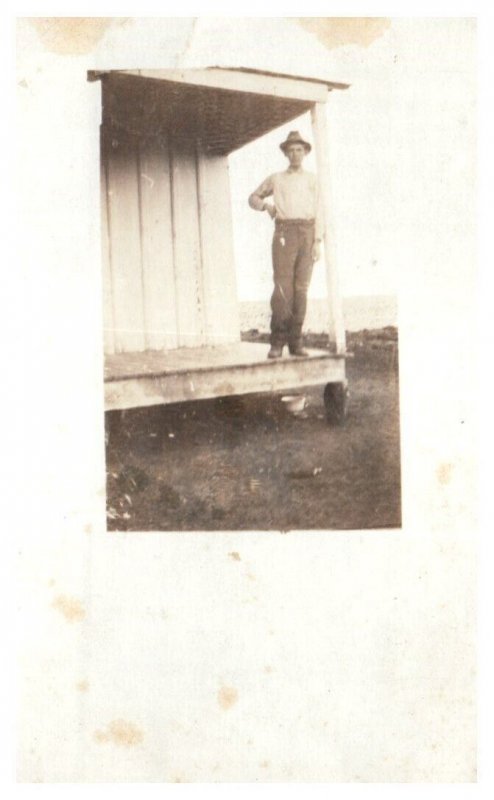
x=151, y=390
x=188, y=369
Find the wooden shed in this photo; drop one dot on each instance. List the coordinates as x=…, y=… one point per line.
x=171, y=319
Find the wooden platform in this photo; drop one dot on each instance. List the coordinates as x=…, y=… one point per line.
x=133, y=380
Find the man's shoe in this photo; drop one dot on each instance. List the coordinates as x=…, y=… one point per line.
x=298, y=350
x=275, y=352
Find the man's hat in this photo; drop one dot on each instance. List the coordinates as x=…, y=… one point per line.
x=294, y=137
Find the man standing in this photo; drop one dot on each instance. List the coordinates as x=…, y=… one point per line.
x=298, y=232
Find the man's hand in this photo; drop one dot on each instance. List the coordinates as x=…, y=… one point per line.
x=269, y=207
x=316, y=250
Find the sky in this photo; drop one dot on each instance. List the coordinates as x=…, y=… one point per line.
x=398, y=136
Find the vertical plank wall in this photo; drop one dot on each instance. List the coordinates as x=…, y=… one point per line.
x=160, y=313
x=187, y=247
x=216, y=227
x=125, y=245
x=108, y=321
x=169, y=276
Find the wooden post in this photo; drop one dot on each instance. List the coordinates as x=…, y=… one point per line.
x=319, y=129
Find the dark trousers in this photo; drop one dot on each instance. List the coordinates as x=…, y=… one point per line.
x=292, y=271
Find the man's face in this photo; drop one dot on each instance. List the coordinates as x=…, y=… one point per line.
x=295, y=154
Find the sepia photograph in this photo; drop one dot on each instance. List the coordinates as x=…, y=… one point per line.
x=250, y=380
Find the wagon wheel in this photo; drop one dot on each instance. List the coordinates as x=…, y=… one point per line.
x=336, y=402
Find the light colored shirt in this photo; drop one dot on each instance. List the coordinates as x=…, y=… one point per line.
x=295, y=194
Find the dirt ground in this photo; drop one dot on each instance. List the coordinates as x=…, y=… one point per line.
x=246, y=463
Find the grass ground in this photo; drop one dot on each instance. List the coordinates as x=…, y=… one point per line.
x=246, y=463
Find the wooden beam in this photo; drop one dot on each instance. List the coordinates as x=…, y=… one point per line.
x=252, y=83
x=329, y=84
x=320, y=133
x=136, y=379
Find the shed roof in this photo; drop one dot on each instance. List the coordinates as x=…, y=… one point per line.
x=222, y=108
x=250, y=70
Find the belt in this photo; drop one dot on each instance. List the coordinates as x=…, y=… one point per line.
x=282, y=223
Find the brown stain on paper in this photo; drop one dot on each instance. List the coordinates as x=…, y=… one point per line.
x=235, y=556
x=72, y=36
x=82, y=686
x=340, y=31
x=79, y=35
x=120, y=732
x=443, y=473
x=227, y=697
x=70, y=607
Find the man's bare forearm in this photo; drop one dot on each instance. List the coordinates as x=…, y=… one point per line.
x=256, y=202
